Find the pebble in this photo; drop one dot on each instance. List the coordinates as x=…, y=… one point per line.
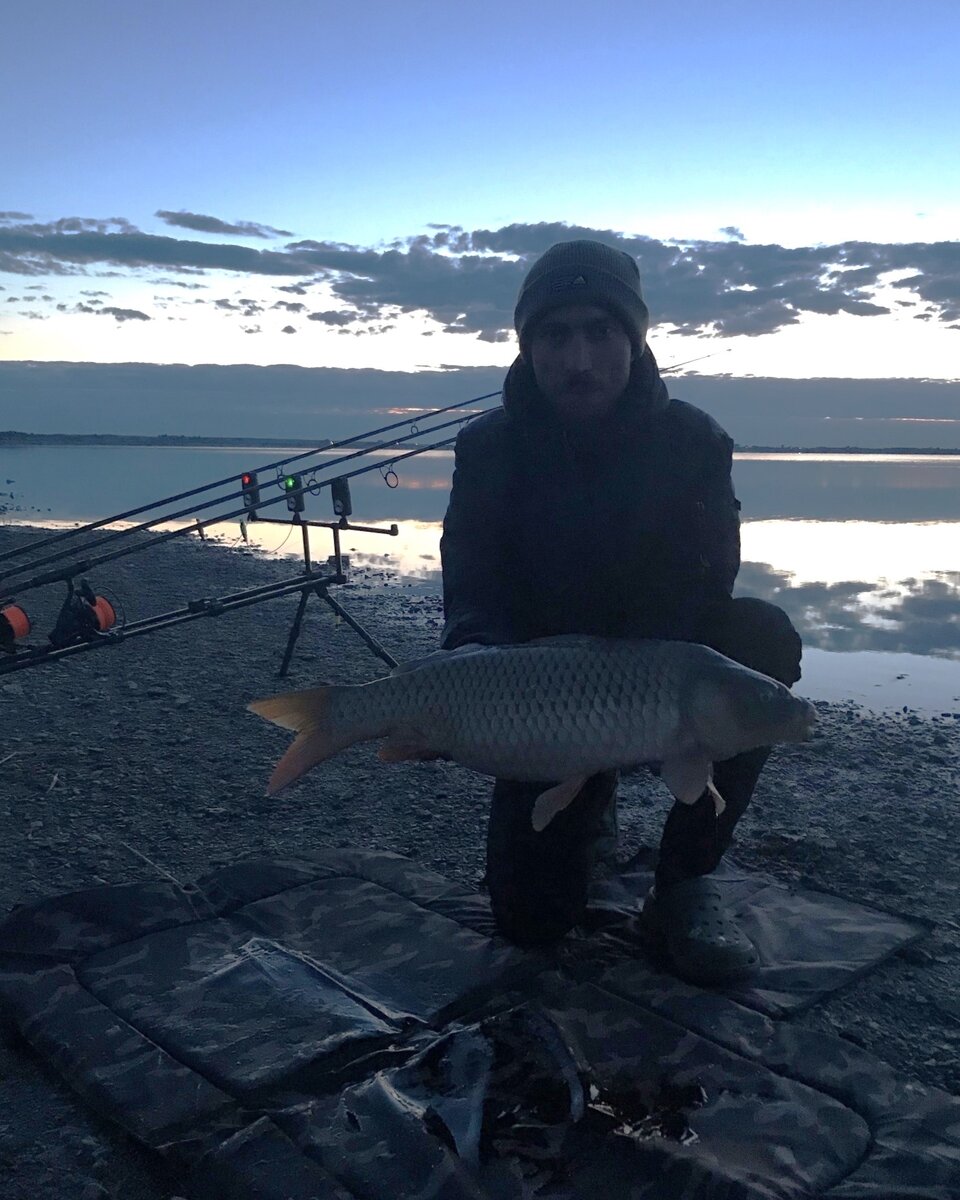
x=829, y=803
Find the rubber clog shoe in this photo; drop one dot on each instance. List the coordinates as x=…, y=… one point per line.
x=702, y=941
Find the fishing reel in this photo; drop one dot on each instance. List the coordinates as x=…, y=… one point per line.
x=84, y=616
x=14, y=624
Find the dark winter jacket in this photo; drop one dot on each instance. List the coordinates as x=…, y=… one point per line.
x=627, y=528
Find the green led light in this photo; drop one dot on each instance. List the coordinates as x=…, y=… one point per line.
x=289, y=483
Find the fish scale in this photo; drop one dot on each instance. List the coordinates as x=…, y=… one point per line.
x=546, y=706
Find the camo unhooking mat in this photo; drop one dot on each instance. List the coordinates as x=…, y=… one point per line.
x=345, y=1028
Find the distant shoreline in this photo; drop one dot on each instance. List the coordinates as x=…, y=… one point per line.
x=13, y=438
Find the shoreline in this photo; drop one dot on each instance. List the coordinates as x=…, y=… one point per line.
x=879, y=680
x=15, y=439
x=114, y=761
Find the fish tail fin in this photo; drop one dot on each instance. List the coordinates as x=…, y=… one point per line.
x=320, y=735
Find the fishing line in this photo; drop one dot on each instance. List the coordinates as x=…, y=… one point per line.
x=66, y=574
x=83, y=565
x=286, y=539
x=88, y=619
x=412, y=423
x=91, y=638
x=278, y=463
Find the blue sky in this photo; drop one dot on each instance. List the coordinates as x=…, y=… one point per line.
x=754, y=156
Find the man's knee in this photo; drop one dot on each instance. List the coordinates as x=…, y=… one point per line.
x=760, y=636
x=538, y=882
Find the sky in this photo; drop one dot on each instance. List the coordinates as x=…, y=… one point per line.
x=364, y=186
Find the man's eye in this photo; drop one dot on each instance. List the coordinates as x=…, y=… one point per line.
x=601, y=330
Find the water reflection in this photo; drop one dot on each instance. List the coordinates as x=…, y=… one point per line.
x=861, y=550
x=914, y=616
x=899, y=605
x=849, y=486
x=90, y=482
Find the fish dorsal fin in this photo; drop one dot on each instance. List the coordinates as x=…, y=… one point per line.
x=559, y=640
x=555, y=800
x=436, y=656
x=587, y=641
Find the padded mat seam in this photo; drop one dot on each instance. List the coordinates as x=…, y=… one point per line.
x=739, y=1054
x=376, y=883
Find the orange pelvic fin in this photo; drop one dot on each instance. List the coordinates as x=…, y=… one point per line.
x=555, y=800
x=719, y=804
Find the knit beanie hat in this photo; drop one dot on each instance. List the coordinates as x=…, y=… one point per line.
x=583, y=272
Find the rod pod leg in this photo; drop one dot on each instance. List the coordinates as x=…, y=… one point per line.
x=294, y=632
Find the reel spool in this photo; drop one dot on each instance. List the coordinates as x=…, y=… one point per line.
x=14, y=624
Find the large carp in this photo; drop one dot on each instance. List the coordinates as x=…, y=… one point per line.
x=557, y=708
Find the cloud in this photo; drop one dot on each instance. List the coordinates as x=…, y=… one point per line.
x=332, y=318
x=244, y=306
x=288, y=329
x=290, y=306
x=124, y=314
x=15, y=216
x=100, y=225
x=204, y=224
x=180, y=283
x=467, y=281
x=69, y=247
x=98, y=309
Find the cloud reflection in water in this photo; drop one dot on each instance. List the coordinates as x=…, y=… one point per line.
x=913, y=616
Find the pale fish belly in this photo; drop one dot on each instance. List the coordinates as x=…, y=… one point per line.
x=545, y=713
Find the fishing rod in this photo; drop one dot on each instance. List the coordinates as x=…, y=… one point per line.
x=275, y=465
x=191, y=611
x=294, y=493
x=86, y=620
x=282, y=462
x=677, y=366
x=85, y=564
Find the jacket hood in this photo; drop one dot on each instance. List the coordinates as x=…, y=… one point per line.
x=645, y=394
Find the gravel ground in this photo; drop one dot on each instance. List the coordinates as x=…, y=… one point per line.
x=122, y=764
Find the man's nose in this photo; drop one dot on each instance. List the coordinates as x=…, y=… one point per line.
x=579, y=353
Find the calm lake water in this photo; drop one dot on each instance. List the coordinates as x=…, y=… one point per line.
x=863, y=551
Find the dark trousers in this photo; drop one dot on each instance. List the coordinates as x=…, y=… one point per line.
x=538, y=881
